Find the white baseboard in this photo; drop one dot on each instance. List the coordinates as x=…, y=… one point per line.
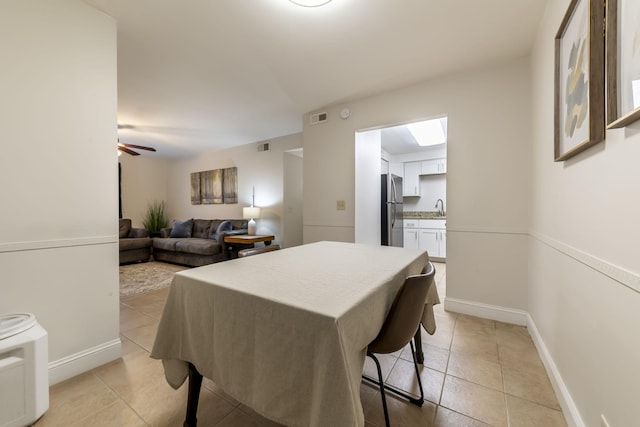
x=76, y=364
x=569, y=409
x=486, y=311
x=521, y=317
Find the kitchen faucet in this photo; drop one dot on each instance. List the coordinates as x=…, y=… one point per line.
x=441, y=210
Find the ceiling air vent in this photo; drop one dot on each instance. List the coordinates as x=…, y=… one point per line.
x=314, y=119
x=263, y=146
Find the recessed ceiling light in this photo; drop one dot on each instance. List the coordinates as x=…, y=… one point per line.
x=430, y=132
x=310, y=3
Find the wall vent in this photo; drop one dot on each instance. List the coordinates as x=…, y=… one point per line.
x=314, y=119
x=263, y=146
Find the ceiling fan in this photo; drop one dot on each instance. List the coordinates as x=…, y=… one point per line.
x=128, y=148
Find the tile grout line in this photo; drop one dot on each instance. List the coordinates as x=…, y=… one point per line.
x=119, y=397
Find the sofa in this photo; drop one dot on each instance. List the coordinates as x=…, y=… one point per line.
x=135, y=244
x=196, y=242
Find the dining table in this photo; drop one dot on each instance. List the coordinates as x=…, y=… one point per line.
x=285, y=332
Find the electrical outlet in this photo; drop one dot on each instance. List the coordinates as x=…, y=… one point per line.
x=340, y=205
x=603, y=421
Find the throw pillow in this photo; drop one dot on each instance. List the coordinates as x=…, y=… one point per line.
x=182, y=228
x=224, y=226
x=125, y=227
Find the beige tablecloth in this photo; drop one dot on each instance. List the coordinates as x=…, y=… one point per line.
x=285, y=332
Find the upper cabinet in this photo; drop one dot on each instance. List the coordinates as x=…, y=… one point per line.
x=411, y=179
x=433, y=166
x=413, y=170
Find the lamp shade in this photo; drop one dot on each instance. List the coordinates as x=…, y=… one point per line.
x=251, y=212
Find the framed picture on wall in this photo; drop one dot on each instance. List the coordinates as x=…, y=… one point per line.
x=211, y=187
x=230, y=185
x=196, y=198
x=579, y=79
x=623, y=62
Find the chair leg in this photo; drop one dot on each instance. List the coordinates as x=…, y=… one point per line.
x=415, y=365
x=381, y=385
x=410, y=398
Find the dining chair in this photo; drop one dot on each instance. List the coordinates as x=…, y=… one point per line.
x=399, y=327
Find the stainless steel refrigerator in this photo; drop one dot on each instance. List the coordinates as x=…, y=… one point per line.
x=391, y=208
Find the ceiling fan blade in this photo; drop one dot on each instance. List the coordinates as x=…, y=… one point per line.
x=126, y=150
x=139, y=147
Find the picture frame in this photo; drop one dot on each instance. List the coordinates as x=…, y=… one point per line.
x=214, y=187
x=230, y=185
x=579, y=119
x=196, y=198
x=623, y=62
x=211, y=187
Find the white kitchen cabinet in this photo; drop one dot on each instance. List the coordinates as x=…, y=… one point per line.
x=411, y=239
x=435, y=237
x=429, y=241
x=411, y=180
x=426, y=234
x=411, y=223
x=411, y=233
x=433, y=166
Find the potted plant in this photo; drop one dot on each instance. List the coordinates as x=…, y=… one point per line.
x=155, y=218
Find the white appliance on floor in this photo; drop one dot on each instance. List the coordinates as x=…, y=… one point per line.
x=24, y=375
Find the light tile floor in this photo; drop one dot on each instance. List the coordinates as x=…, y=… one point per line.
x=477, y=372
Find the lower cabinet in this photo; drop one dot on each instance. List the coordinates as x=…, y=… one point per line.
x=411, y=238
x=430, y=235
x=434, y=241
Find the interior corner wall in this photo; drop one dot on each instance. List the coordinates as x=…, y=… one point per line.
x=488, y=178
x=292, y=200
x=262, y=170
x=144, y=180
x=584, y=269
x=58, y=234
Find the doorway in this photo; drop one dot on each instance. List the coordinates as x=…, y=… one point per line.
x=396, y=150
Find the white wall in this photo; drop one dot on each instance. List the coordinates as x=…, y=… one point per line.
x=262, y=170
x=58, y=234
x=488, y=177
x=292, y=198
x=368, y=188
x=144, y=180
x=584, y=268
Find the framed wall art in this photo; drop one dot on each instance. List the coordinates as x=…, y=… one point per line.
x=196, y=198
x=623, y=62
x=211, y=187
x=214, y=186
x=579, y=79
x=230, y=185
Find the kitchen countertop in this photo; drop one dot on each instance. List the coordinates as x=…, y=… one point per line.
x=423, y=215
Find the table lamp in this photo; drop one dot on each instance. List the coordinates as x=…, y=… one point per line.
x=250, y=213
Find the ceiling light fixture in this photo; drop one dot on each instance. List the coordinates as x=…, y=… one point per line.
x=430, y=132
x=310, y=3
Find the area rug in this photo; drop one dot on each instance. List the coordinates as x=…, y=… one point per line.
x=146, y=276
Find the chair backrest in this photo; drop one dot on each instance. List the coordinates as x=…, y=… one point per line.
x=404, y=316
